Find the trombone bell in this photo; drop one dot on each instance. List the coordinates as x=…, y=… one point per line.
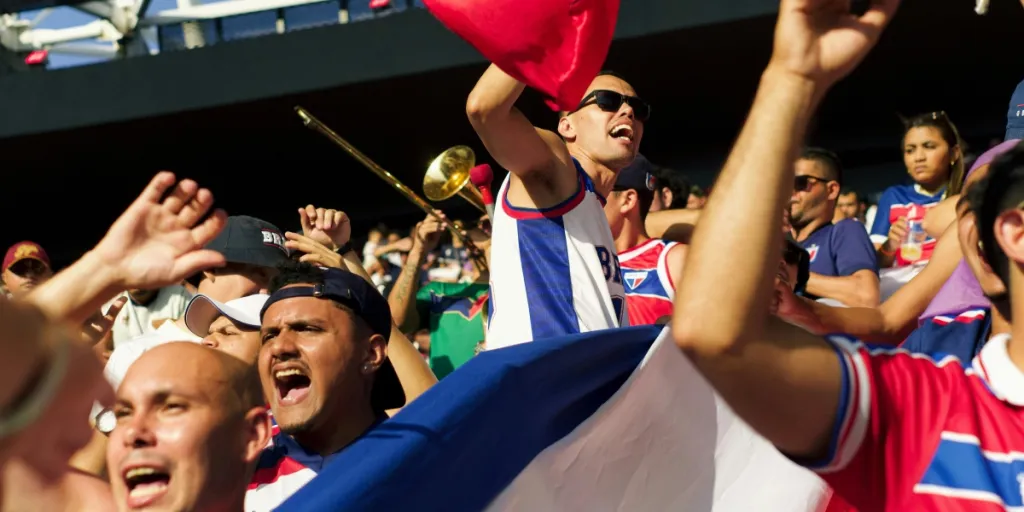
x=448, y=175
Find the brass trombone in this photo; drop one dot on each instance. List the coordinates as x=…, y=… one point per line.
x=447, y=175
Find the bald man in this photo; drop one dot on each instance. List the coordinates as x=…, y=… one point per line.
x=188, y=435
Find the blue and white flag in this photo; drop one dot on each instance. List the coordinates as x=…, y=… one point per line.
x=612, y=420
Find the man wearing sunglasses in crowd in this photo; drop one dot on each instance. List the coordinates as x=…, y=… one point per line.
x=843, y=263
x=556, y=270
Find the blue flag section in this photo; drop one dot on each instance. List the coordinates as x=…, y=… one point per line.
x=459, y=445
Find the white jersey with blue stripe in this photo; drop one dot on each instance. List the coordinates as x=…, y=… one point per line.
x=554, y=271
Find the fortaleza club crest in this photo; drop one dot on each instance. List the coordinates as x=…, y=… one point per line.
x=813, y=251
x=634, y=278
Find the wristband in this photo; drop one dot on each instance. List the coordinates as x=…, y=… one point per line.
x=885, y=252
x=42, y=387
x=345, y=249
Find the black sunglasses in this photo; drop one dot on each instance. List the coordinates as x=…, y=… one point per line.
x=611, y=101
x=801, y=183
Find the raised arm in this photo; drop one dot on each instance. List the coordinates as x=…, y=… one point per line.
x=675, y=225
x=402, y=298
x=782, y=380
x=531, y=154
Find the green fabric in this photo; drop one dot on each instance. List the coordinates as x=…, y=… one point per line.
x=456, y=323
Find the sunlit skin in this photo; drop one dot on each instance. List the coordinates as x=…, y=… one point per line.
x=23, y=276
x=234, y=339
x=613, y=210
x=332, y=356
x=928, y=157
x=194, y=431
x=587, y=132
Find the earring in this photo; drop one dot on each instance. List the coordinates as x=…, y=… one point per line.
x=366, y=367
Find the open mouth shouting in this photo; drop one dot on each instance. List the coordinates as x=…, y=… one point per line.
x=146, y=484
x=291, y=382
x=622, y=132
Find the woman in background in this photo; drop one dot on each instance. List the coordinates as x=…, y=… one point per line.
x=933, y=156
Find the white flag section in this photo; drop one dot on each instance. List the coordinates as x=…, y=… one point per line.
x=665, y=441
x=615, y=420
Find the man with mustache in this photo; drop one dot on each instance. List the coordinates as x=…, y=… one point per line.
x=325, y=372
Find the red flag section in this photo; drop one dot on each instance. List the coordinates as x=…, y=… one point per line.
x=554, y=46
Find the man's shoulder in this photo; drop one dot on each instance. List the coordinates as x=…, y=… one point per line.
x=850, y=227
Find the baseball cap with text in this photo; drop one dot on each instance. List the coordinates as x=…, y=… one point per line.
x=251, y=241
x=1015, y=115
x=25, y=251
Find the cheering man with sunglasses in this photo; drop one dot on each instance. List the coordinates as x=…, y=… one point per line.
x=843, y=263
x=553, y=255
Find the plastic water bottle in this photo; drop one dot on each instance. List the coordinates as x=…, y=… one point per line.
x=911, y=249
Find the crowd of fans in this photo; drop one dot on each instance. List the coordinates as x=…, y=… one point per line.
x=245, y=359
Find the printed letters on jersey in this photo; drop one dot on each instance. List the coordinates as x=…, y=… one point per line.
x=558, y=274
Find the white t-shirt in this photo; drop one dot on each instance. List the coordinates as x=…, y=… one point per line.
x=125, y=355
x=135, y=320
x=368, y=258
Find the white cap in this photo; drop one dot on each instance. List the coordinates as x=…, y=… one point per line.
x=202, y=311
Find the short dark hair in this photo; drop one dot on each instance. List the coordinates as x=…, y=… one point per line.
x=829, y=161
x=295, y=272
x=613, y=74
x=845, y=191
x=1002, y=189
x=676, y=182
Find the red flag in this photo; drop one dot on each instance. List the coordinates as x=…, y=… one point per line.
x=554, y=46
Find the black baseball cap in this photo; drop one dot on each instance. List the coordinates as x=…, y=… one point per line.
x=638, y=176
x=367, y=303
x=251, y=241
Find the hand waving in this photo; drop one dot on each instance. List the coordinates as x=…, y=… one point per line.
x=159, y=239
x=331, y=228
x=821, y=41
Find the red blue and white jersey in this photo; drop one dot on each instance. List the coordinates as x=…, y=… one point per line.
x=962, y=335
x=904, y=201
x=923, y=434
x=554, y=271
x=284, y=468
x=648, y=283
